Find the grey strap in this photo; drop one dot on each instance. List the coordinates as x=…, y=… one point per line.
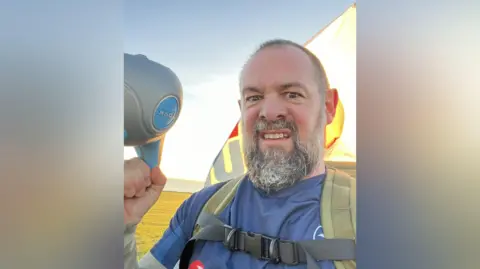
x=205, y=219
x=311, y=263
x=210, y=233
x=330, y=249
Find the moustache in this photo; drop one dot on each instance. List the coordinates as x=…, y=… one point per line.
x=264, y=125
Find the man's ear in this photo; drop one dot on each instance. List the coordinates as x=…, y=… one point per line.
x=240, y=104
x=331, y=102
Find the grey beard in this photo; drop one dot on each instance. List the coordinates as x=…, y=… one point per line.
x=275, y=169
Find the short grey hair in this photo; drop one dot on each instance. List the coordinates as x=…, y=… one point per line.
x=320, y=74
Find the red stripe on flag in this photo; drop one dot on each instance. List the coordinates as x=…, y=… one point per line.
x=234, y=132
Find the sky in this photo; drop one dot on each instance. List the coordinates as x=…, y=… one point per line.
x=206, y=43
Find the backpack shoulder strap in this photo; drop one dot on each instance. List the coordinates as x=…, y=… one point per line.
x=338, y=209
x=220, y=199
x=208, y=227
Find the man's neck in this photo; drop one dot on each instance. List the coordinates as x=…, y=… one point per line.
x=319, y=170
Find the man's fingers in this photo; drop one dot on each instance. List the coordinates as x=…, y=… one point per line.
x=143, y=167
x=141, y=192
x=142, y=188
x=158, y=179
x=137, y=177
x=148, y=181
x=129, y=191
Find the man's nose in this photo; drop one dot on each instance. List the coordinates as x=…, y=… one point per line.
x=273, y=109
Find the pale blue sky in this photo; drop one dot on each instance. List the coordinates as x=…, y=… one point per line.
x=206, y=43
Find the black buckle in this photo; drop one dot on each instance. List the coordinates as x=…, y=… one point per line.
x=261, y=247
x=253, y=244
x=289, y=246
x=258, y=245
x=274, y=251
x=231, y=240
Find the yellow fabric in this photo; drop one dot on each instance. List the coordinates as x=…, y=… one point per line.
x=335, y=46
x=334, y=130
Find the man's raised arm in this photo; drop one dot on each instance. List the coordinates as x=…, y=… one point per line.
x=142, y=188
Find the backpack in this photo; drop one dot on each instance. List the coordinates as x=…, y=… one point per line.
x=338, y=217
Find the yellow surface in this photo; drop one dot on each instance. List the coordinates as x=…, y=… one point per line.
x=156, y=221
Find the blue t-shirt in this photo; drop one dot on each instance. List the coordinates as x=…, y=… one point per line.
x=290, y=214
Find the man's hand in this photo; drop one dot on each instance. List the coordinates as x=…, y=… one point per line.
x=142, y=188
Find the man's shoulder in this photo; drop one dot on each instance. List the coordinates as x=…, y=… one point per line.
x=208, y=191
x=168, y=249
x=196, y=201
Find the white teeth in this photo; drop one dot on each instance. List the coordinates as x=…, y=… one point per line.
x=274, y=136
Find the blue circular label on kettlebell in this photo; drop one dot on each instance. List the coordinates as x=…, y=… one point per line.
x=165, y=113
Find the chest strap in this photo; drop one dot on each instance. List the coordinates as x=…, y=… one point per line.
x=268, y=248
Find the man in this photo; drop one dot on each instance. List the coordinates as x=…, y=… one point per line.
x=286, y=102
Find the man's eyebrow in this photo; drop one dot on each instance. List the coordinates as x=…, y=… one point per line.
x=291, y=85
x=282, y=87
x=251, y=89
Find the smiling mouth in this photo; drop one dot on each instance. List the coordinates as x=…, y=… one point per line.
x=275, y=135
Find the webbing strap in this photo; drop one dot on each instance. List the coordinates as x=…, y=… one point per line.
x=219, y=200
x=268, y=248
x=330, y=249
x=206, y=219
x=211, y=232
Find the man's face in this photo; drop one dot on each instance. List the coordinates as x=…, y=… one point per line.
x=283, y=117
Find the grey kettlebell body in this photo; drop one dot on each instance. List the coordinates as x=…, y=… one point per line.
x=152, y=102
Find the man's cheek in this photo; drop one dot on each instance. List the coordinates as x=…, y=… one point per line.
x=249, y=125
x=303, y=133
x=247, y=132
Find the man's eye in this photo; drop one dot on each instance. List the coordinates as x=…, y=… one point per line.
x=293, y=95
x=253, y=98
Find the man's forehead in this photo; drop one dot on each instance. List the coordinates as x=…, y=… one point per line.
x=277, y=65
